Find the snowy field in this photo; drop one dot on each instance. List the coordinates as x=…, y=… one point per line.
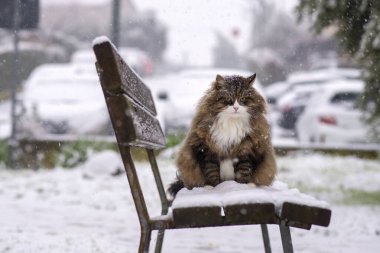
x=86, y=210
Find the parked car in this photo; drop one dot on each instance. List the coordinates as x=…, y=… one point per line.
x=5, y=119
x=323, y=75
x=292, y=104
x=57, y=99
x=136, y=58
x=275, y=90
x=180, y=93
x=332, y=115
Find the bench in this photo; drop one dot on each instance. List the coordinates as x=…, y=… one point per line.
x=133, y=115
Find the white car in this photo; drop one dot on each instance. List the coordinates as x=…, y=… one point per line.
x=275, y=90
x=332, y=115
x=309, y=81
x=5, y=119
x=57, y=99
x=323, y=75
x=291, y=105
x=181, y=92
x=300, y=86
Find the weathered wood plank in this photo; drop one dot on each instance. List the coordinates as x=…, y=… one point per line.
x=118, y=77
x=298, y=225
x=296, y=213
x=133, y=125
x=255, y=213
x=190, y=217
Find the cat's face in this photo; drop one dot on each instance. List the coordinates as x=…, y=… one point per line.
x=235, y=96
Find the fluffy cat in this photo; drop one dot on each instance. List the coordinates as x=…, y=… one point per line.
x=229, y=138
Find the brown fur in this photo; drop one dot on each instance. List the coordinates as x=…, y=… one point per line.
x=199, y=152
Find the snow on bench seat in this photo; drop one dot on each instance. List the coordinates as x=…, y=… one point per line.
x=231, y=203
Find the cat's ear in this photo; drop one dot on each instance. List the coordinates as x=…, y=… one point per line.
x=219, y=81
x=219, y=78
x=251, y=79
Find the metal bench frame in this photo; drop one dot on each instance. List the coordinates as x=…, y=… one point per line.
x=132, y=111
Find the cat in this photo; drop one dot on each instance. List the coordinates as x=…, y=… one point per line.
x=229, y=138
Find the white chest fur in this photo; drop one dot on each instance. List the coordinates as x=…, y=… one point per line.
x=230, y=128
x=227, y=171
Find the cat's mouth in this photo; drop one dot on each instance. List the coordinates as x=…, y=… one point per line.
x=236, y=114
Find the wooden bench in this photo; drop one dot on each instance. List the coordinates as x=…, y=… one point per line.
x=132, y=111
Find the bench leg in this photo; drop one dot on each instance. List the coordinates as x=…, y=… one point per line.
x=145, y=240
x=286, y=238
x=160, y=239
x=264, y=232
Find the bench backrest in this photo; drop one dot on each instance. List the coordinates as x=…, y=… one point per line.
x=129, y=100
x=132, y=112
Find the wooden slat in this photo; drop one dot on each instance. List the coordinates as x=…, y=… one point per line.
x=133, y=125
x=257, y=213
x=118, y=77
x=296, y=224
x=191, y=217
x=305, y=214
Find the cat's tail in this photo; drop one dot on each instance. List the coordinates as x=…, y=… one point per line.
x=175, y=187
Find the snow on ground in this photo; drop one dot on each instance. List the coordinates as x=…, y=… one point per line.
x=67, y=211
x=330, y=176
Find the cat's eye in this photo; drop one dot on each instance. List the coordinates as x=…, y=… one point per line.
x=229, y=101
x=242, y=100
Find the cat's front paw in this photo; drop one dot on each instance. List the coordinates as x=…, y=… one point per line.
x=243, y=173
x=211, y=171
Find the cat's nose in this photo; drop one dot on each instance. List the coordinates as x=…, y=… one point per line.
x=236, y=108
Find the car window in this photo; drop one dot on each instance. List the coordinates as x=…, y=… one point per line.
x=346, y=97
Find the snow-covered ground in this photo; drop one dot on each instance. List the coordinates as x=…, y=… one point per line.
x=86, y=210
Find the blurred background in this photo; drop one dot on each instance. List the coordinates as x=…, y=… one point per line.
x=317, y=66
x=299, y=57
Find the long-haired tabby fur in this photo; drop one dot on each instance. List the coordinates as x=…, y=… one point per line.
x=229, y=138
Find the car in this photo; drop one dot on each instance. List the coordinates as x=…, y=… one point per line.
x=299, y=88
x=291, y=106
x=179, y=93
x=62, y=99
x=332, y=115
x=305, y=81
x=323, y=75
x=275, y=90
x=5, y=119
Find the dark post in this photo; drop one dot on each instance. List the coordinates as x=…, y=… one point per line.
x=16, y=80
x=116, y=22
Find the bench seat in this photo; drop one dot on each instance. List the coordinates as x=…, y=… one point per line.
x=231, y=203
